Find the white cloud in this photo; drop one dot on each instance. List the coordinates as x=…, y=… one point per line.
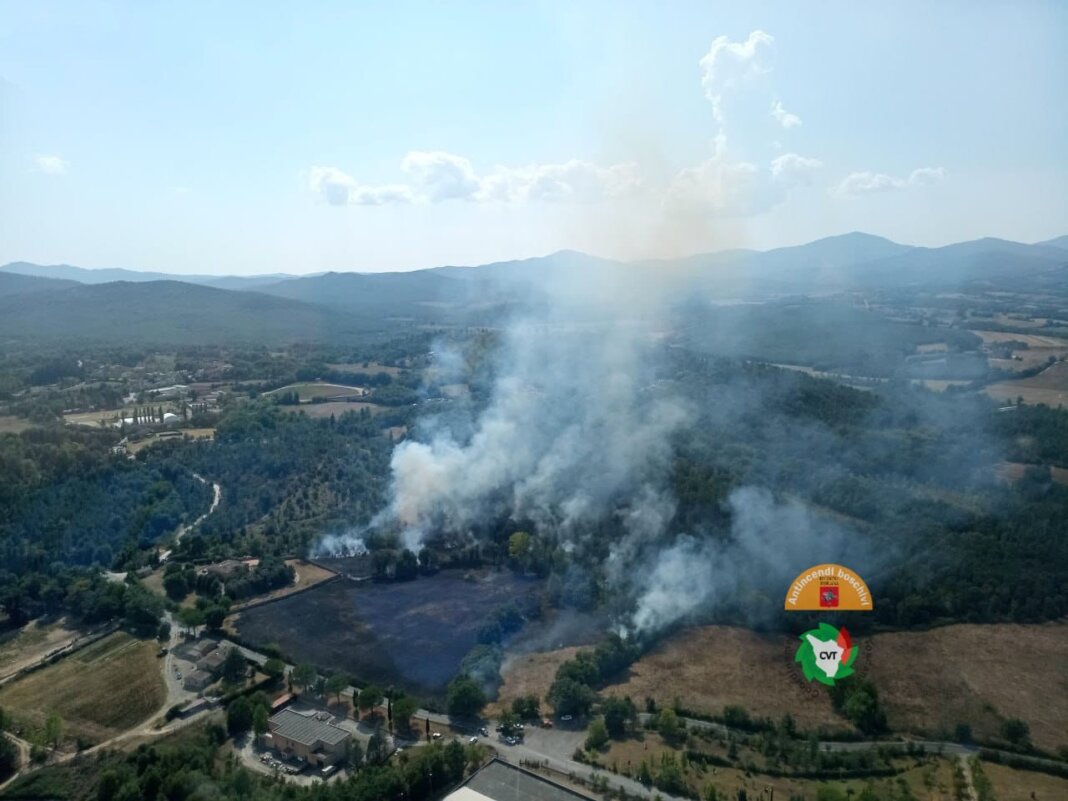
x=437, y=176
x=441, y=176
x=785, y=118
x=721, y=188
x=51, y=165
x=792, y=168
x=868, y=183
x=727, y=63
x=578, y=181
x=340, y=189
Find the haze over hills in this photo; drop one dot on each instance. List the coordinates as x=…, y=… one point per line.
x=170, y=312
x=62, y=301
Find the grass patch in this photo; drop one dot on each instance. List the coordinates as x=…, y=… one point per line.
x=98, y=692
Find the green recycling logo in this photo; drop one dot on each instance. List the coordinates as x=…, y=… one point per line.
x=826, y=654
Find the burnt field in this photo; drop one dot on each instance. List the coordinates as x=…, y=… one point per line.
x=412, y=634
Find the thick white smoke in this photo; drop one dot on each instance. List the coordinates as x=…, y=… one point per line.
x=770, y=541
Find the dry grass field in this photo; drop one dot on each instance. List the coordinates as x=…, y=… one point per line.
x=31, y=643
x=13, y=425
x=1014, y=471
x=98, y=692
x=371, y=368
x=1049, y=387
x=94, y=418
x=334, y=407
x=314, y=389
x=1032, y=340
x=711, y=667
x=528, y=674
x=928, y=681
x=192, y=433
x=1024, y=785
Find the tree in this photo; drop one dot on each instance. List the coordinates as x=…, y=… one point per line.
x=235, y=667
x=669, y=726
x=455, y=760
x=214, y=617
x=53, y=730
x=336, y=683
x=259, y=720
x=175, y=585
x=618, y=713
x=464, y=697
x=304, y=675
x=190, y=617
x=597, y=735
x=403, y=709
x=163, y=633
x=1016, y=732
x=570, y=697
x=275, y=668
x=370, y=697
x=239, y=716
x=526, y=707
x=377, y=750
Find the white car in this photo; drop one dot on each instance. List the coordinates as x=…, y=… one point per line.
x=436, y=735
x=473, y=740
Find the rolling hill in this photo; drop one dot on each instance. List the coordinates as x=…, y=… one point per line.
x=170, y=312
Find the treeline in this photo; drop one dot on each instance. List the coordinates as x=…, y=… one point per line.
x=68, y=506
x=187, y=765
x=285, y=478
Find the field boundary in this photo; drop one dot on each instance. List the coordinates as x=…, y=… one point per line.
x=63, y=651
x=258, y=602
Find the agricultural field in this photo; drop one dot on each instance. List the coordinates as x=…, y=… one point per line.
x=338, y=408
x=414, y=633
x=1049, y=387
x=980, y=675
x=1014, y=471
x=13, y=425
x=974, y=670
x=1024, y=785
x=31, y=643
x=370, y=368
x=95, y=418
x=711, y=667
x=192, y=433
x=98, y=692
x=309, y=390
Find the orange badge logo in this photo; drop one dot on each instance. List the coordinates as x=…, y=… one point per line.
x=828, y=587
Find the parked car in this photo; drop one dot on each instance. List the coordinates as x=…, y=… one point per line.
x=483, y=731
x=473, y=740
x=567, y=717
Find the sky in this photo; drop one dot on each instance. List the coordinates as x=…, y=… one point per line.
x=243, y=138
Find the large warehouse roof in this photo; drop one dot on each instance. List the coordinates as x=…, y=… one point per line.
x=306, y=729
x=500, y=781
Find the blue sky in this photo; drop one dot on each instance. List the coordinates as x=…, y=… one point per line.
x=256, y=137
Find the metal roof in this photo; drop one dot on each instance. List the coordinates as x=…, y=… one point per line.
x=305, y=729
x=499, y=781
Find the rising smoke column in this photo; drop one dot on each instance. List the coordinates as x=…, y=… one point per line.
x=573, y=429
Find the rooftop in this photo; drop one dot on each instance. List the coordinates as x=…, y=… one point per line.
x=306, y=729
x=500, y=781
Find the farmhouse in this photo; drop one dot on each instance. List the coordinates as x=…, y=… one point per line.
x=500, y=781
x=213, y=662
x=308, y=737
x=197, y=680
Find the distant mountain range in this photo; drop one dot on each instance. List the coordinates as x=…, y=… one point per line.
x=62, y=302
